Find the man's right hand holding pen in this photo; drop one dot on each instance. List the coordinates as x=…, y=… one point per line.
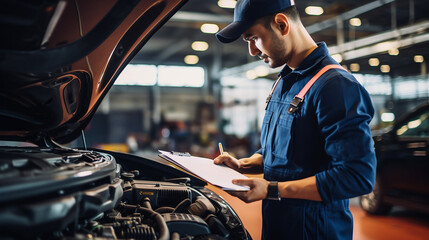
x=228, y=160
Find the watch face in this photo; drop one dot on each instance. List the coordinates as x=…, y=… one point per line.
x=273, y=191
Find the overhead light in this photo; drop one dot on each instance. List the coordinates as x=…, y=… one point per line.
x=251, y=74
x=226, y=3
x=337, y=57
x=393, y=51
x=374, y=62
x=385, y=68
x=262, y=71
x=355, y=22
x=191, y=59
x=387, y=117
x=314, y=10
x=354, y=67
x=200, y=46
x=209, y=28
x=419, y=59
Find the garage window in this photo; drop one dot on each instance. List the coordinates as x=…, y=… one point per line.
x=171, y=76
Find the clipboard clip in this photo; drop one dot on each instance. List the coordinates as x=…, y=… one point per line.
x=182, y=154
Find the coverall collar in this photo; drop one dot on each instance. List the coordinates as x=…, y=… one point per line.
x=309, y=62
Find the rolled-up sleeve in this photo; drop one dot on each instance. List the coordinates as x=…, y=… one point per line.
x=344, y=110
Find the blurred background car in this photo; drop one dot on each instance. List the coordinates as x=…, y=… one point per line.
x=403, y=164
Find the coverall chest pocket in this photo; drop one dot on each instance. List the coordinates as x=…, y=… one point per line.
x=265, y=129
x=284, y=136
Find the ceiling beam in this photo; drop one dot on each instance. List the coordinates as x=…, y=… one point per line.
x=182, y=16
x=317, y=27
x=385, y=46
x=385, y=41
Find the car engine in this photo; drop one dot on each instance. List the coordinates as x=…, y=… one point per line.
x=81, y=194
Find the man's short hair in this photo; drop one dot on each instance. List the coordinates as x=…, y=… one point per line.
x=290, y=12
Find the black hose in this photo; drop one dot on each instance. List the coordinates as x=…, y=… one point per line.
x=182, y=207
x=164, y=233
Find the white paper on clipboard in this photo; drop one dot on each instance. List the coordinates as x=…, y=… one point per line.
x=218, y=175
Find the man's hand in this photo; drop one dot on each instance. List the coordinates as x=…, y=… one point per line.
x=258, y=189
x=228, y=160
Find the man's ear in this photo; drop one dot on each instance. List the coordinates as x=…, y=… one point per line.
x=281, y=22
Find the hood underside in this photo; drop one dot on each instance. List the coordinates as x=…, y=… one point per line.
x=60, y=57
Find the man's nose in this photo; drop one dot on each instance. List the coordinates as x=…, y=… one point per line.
x=253, y=50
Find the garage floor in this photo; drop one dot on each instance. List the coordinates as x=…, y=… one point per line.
x=400, y=224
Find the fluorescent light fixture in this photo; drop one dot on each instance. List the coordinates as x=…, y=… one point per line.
x=314, y=10
x=354, y=67
x=414, y=124
x=251, y=74
x=385, y=68
x=419, y=59
x=374, y=62
x=209, y=28
x=200, y=46
x=191, y=59
x=355, y=22
x=337, y=57
x=387, y=117
x=402, y=130
x=226, y=3
x=393, y=51
x=262, y=71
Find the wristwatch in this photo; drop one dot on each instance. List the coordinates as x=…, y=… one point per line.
x=273, y=191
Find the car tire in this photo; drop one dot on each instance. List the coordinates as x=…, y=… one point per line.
x=373, y=203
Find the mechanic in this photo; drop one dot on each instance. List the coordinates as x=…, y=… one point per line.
x=316, y=151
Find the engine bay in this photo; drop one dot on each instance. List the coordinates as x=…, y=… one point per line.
x=77, y=194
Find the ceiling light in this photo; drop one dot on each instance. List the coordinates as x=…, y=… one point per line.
x=209, y=28
x=385, y=68
x=191, y=59
x=387, y=117
x=355, y=22
x=393, y=52
x=200, y=46
x=251, y=74
x=314, y=10
x=337, y=57
x=262, y=71
x=226, y=3
x=374, y=62
x=419, y=59
x=354, y=67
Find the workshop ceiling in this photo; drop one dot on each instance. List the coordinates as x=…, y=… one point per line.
x=384, y=25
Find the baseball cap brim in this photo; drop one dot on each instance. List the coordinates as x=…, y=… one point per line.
x=233, y=31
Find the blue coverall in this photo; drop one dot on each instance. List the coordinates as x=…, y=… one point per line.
x=329, y=137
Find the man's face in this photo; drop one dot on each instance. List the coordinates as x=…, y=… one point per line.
x=267, y=44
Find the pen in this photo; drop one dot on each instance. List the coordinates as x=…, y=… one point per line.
x=220, y=148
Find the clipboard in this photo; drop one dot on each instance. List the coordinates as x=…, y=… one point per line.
x=205, y=169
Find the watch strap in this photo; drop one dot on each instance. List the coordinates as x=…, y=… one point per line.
x=273, y=191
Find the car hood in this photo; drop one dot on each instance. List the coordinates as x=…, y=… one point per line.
x=59, y=58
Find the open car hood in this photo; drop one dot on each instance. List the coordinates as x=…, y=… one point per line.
x=58, y=59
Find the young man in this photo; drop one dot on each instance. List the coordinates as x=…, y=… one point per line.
x=316, y=151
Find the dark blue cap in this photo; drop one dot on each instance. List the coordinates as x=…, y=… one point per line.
x=246, y=12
